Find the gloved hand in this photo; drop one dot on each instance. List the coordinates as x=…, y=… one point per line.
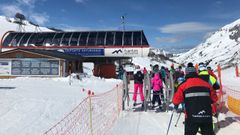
x=175, y=107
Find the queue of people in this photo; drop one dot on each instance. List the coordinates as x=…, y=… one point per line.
x=196, y=89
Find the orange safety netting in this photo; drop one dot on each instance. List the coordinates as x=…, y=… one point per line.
x=233, y=100
x=93, y=116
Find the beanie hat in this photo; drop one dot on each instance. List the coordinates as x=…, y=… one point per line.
x=209, y=68
x=189, y=70
x=190, y=64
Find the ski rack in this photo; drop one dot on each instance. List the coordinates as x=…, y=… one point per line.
x=168, y=94
x=125, y=96
x=147, y=91
x=169, y=91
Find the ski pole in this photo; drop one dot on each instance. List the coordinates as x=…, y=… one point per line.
x=178, y=119
x=170, y=123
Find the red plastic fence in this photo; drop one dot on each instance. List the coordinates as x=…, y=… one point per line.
x=82, y=120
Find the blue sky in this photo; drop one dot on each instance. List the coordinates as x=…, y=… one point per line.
x=166, y=23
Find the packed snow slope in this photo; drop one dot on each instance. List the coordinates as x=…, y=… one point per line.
x=222, y=47
x=9, y=26
x=30, y=106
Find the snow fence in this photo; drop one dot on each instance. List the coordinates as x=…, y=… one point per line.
x=93, y=116
x=233, y=100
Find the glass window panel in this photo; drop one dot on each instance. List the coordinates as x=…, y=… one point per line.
x=101, y=38
x=92, y=38
x=137, y=38
x=57, y=39
x=8, y=39
x=127, y=38
x=110, y=38
x=16, y=39
x=48, y=38
x=66, y=38
x=118, y=38
x=31, y=41
x=24, y=40
x=39, y=39
x=74, y=39
x=83, y=39
x=144, y=40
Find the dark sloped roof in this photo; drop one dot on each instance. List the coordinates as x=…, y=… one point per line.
x=83, y=38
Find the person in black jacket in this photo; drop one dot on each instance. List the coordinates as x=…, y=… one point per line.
x=198, y=95
x=138, y=85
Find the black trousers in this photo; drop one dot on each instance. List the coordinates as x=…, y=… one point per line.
x=156, y=97
x=192, y=128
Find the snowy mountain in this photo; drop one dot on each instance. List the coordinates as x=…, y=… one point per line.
x=160, y=55
x=158, y=51
x=222, y=47
x=8, y=25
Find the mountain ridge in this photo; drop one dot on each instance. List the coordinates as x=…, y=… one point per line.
x=221, y=47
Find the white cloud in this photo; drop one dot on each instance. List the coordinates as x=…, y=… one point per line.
x=63, y=10
x=10, y=10
x=186, y=27
x=167, y=39
x=40, y=18
x=80, y=1
x=25, y=7
x=74, y=28
x=67, y=27
x=218, y=2
x=29, y=3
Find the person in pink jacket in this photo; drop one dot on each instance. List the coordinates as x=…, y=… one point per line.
x=157, y=88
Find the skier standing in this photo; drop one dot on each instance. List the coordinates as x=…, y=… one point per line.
x=138, y=85
x=198, y=95
x=210, y=71
x=145, y=71
x=163, y=74
x=172, y=70
x=204, y=74
x=178, y=73
x=157, y=86
x=121, y=72
x=156, y=70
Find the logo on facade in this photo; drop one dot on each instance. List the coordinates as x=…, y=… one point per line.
x=117, y=51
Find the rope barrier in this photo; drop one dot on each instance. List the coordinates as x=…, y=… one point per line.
x=95, y=115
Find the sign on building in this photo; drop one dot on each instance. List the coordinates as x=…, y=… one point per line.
x=30, y=67
x=5, y=67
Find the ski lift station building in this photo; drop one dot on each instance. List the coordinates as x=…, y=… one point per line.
x=61, y=53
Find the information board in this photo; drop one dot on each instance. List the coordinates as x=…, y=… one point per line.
x=5, y=67
x=35, y=67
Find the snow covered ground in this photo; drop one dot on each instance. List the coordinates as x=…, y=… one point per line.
x=30, y=106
